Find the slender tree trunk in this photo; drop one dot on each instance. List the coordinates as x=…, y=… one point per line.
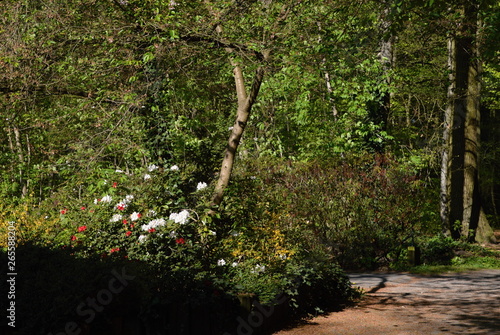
x=245, y=103
x=386, y=59
x=20, y=155
x=461, y=208
x=329, y=89
x=445, y=194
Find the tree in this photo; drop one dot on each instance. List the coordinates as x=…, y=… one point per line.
x=66, y=93
x=461, y=209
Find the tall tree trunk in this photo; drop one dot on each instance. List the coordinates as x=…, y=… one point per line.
x=445, y=192
x=387, y=58
x=245, y=103
x=461, y=209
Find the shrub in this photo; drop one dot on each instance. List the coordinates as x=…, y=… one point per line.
x=30, y=225
x=438, y=249
x=155, y=220
x=361, y=211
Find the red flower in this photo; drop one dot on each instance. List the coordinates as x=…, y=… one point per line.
x=152, y=230
x=120, y=207
x=125, y=221
x=115, y=184
x=82, y=228
x=73, y=238
x=114, y=250
x=128, y=233
x=64, y=211
x=180, y=240
x=82, y=208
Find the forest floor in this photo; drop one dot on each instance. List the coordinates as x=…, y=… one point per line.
x=408, y=304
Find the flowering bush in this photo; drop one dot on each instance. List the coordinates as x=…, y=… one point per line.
x=30, y=224
x=156, y=218
x=129, y=216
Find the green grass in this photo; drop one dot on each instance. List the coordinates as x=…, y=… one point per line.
x=459, y=264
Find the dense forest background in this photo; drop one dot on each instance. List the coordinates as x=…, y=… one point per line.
x=95, y=85
x=352, y=139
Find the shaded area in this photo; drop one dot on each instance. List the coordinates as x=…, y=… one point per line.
x=57, y=293
x=465, y=303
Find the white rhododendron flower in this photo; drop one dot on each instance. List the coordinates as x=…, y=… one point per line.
x=135, y=216
x=221, y=262
x=152, y=167
x=106, y=199
x=153, y=224
x=174, y=168
x=259, y=268
x=147, y=176
x=181, y=217
x=142, y=238
x=116, y=218
x=201, y=186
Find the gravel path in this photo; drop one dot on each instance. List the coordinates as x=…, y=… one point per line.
x=405, y=304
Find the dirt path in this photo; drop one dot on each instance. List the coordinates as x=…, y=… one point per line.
x=404, y=304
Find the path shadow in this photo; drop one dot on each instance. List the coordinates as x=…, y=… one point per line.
x=469, y=301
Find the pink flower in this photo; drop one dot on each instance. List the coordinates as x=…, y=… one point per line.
x=64, y=211
x=115, y=184
x=82, y=208
x=82, y=228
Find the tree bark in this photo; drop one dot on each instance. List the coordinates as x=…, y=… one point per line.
x=245, y=103
x=461, y=209
x=387, y=58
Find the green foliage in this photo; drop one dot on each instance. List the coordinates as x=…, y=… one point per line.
x=93, y=93
x=438, y=250
x=351, y=209
x=156, y=218
x=319, y=285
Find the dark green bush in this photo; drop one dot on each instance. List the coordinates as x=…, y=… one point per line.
x=438, y=249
